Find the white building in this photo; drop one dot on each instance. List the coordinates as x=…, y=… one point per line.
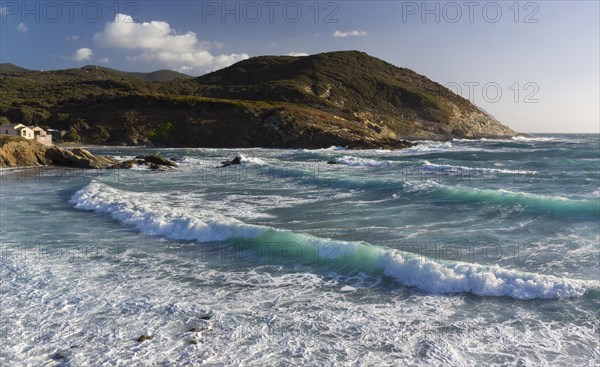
x=41, y=136
x=31, y=133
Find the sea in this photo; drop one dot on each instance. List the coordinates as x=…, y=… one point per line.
x=458, y=253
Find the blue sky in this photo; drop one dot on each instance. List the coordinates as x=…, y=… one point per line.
x=533, y=65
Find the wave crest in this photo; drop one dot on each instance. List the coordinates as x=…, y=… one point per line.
x=132, y=209
x=439, y=277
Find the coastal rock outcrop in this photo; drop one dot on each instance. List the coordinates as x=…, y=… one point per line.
x=76, y=158
x=19, y=152
x=144, y=338
x=157, y=160
x=154, y=162
x=234, y=161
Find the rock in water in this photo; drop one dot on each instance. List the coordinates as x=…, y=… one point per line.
x=159, y=161
x=126, y=164
x=60, y=355
x=143, y=338
x=234, y=161
x=155, y=163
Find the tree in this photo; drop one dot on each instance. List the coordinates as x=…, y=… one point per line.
x=81, y=124
x=98, y=134
x=72, y=136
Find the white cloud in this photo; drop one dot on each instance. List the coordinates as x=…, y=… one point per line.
x=22, y=28
x=297, y=54
x=212, y=45
x=104, y=60
x=73, y=38
x=82, y=54
x=157, y=42
x=340, y=34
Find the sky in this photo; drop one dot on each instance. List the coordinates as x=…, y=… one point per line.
x=534, y=65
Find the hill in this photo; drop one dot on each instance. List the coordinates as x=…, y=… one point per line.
x=340, y=98
x=155, y=76
x=360, y=88
x=12, y=68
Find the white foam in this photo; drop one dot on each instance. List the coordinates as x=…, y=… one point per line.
x=427, y=146
x=457, y=277
x=428, y=166
x=140, y=167
x=360, y=162
x=514, y=138
x=133, y=209
x=540, y=139
x=447, y=277
x=332, y=148
x=103, y=307
x=123, y=157
x=252, y=160
x=188, y=159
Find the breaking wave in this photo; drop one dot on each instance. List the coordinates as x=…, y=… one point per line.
x=438, y=277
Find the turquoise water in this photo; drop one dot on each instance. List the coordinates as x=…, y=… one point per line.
x=458, y=253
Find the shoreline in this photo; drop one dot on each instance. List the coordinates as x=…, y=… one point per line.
x=415, y=141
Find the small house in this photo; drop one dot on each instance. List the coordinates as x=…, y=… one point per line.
x=30, y=133
x=41, y=136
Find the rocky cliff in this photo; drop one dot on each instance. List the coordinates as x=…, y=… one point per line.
x=392, y=102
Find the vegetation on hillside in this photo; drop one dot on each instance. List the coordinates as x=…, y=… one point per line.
x=155, y=76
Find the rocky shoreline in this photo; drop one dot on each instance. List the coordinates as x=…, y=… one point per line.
x=19, y=152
